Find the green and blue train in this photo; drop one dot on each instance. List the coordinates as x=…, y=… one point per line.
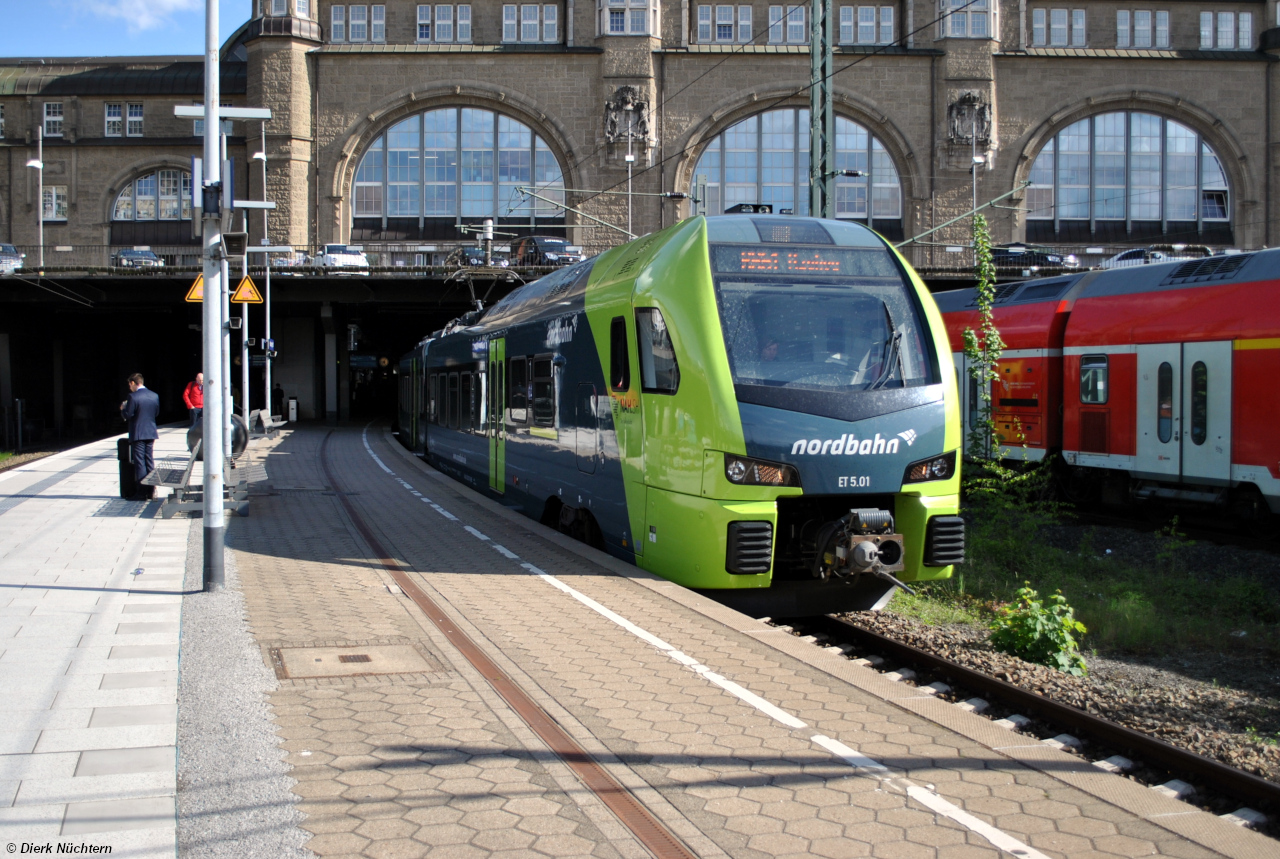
x=748, y=405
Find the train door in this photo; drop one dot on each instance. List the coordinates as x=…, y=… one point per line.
x=1206, y=409
x=586, y=431
x=497, y=400
x=415, y=399
x=1159, y=410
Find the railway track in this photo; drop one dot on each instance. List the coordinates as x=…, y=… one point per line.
x=1225, y=784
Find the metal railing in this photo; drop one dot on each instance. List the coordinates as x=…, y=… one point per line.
x=939, y=258
x=438, y=258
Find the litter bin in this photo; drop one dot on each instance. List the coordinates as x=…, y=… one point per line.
x=293, y=410
x=127, y=484
x=239, y=436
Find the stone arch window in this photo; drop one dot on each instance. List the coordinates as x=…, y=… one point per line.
x=160, y=195
x=1128, y=175
x=765, y=159
x=442, y=168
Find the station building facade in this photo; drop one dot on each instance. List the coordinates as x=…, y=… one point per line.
x=1113, y=124
x=394, y=124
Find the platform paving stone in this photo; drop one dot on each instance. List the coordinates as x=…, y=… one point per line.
x=88, y=657
x=435, y=764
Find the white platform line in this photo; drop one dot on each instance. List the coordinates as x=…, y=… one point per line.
x=928, y=798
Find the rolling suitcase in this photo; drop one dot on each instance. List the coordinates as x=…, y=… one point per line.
x=127, y=485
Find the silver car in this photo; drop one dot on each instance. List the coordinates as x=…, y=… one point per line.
x=10, y=259
x=1147, y=256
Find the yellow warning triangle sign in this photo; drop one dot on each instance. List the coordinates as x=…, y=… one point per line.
x=195, y=294
x=247, y=292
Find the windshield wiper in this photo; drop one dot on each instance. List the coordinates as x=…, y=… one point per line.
x=893, y=351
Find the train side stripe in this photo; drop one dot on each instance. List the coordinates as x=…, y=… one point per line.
x=1261, y=343
x=1118, y=349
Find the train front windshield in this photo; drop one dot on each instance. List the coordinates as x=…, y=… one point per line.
x=834, y=319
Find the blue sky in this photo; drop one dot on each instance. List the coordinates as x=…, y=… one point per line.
x=92, y=28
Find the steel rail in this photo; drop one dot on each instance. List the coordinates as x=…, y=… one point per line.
x=648, y=830
x=1228, y=779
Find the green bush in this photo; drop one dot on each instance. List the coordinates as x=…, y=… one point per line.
x=1040, y=631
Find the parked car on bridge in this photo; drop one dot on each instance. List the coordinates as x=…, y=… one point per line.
x=1019, y=255
x=545, y=250
x=10, y=259
x=288, y=261
x=136, y=259
x=342, y=256
x=1147, y=256
x=474, y=256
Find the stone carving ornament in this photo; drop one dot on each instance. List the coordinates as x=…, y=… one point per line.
x=969, y=116
x=625, y=98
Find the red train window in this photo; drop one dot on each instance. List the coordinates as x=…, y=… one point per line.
x=1093, y=379
x=1164, y=402
x=1199, y=402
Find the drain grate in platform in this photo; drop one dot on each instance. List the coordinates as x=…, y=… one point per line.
x=354, y=657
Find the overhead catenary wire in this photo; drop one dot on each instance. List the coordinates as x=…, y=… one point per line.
x=878, y=51
x=737, y=51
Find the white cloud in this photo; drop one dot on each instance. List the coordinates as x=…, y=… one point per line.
x=142, y=14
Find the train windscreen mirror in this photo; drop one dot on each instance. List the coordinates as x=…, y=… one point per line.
x=619, y=360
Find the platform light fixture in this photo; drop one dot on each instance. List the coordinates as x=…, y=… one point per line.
x=37, y=164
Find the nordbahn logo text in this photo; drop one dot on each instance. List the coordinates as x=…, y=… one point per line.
x=848, y=445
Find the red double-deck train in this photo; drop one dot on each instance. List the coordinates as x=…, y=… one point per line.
x=1153, y=382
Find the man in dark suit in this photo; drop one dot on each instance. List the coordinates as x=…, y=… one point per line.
x=140, y=412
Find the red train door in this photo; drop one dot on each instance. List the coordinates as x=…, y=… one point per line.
x=1206, y=408
x=1159, y=449
x=1184, y=412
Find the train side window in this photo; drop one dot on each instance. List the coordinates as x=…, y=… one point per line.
x=518, y=387
x=477, y=401
x=1199, y=403
x=1164, y=402
x=453, y=401
x=433, y=395
x=1093, y=379
x=975, y=415
x=659, y=371
x=544, y=393
x=464, y=400
x=619, y=360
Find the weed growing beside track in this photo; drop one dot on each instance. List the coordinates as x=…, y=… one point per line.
x=1136, y=592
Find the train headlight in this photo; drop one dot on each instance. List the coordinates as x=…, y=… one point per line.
x=745, y=471
x=933, y=468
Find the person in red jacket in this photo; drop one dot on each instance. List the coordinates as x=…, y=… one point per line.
x=193, y=396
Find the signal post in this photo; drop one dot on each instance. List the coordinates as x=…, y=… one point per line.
x=213, y=202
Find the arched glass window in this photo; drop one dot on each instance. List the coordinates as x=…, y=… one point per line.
x=164, y=195
x=765, y=159
x=459, y=163
x=1121, y=168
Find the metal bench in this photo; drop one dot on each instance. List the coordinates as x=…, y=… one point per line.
x=263, y=424
x=187, y=482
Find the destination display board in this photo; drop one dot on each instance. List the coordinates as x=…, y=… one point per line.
x=821, y=261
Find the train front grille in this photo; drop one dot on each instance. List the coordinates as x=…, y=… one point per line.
x=944, y=541
x=750, y=548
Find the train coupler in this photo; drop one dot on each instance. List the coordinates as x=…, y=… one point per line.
x=860, y=542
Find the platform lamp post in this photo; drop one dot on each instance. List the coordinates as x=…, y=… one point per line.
x=266, y=304
x=631, y=161
x=37, y=164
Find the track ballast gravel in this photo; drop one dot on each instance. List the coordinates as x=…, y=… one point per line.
x=1204, y=717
